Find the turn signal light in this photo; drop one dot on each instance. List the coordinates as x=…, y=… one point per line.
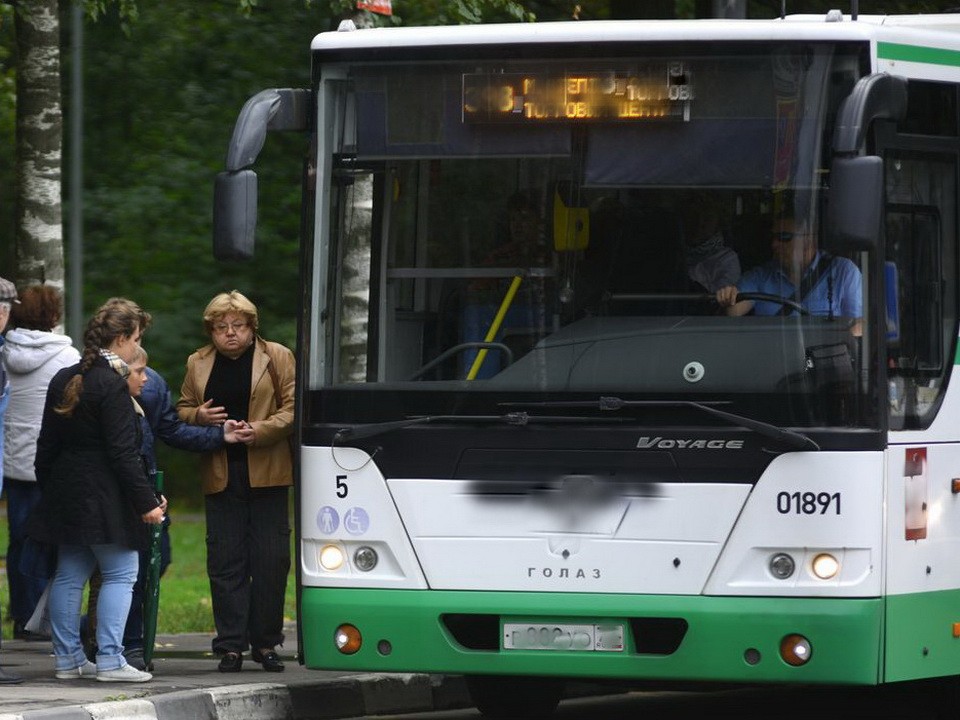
x=795, y=650
x=347, y=639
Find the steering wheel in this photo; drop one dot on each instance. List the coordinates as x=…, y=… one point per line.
x=767, y=297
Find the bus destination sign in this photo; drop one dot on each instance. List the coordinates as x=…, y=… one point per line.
x=653, y=93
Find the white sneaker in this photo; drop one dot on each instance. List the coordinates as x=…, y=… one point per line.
x=87, y=671
x=127, y=673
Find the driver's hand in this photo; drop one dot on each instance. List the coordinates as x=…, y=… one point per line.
x=727, y=296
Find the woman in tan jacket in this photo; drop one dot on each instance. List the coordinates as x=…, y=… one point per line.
x=240, y=376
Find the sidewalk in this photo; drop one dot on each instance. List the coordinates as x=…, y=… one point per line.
x=187, y=685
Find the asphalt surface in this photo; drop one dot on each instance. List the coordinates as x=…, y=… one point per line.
x=187, y=686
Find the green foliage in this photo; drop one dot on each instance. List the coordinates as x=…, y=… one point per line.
x=8, y=88
x=8, y=100
x=424, y=12
x=126, y=9
x=160, y=110
x=160, y=106
x=459, y=12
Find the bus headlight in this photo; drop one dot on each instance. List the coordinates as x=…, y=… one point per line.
x=825, y=566
x=365, y=558
x=782, y=566
x=331, y=557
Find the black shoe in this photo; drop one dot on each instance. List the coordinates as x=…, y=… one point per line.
x=8, y=678
x=268, y=658
x=88, y=641
x=134, y=657
x=231, y=662
x=21, y=633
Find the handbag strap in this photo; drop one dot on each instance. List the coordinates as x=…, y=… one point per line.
x=275, y=378
x=278, y=399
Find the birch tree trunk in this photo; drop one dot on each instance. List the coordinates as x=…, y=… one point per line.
x=355, y=280
x=39, y=128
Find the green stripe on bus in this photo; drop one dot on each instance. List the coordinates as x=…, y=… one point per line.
x=919, y=635
x=915, y=53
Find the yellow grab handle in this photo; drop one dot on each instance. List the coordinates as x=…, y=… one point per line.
x=495, y=326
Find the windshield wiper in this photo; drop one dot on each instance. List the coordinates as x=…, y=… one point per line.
x=510, y=418
x=792, y=439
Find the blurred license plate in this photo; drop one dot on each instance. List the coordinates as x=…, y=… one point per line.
x=600, y=637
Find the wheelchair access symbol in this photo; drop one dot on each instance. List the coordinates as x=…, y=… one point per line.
x=356, y=521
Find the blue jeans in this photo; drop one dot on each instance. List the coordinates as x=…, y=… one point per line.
x=25, y=588
x=75, y=564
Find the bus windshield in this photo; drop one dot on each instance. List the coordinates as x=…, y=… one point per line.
x=538, y=229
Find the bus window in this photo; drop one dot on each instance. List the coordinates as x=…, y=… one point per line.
x=920, y=214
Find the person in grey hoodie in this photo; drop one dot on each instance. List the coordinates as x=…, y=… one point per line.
x=32, y=354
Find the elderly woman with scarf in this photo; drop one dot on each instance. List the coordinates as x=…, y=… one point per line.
x=243, y=377
x=95, y=497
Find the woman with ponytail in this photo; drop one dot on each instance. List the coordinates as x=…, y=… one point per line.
x=95, y=497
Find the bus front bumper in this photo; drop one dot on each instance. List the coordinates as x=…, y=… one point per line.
x=664, y=637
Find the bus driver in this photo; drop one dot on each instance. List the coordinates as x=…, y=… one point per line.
x=821, y=283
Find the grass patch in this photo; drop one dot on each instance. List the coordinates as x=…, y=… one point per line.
x=184, y=590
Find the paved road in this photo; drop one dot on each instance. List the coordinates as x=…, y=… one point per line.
x=187, y=685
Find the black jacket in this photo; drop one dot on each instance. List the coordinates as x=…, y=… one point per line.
x=92, y=481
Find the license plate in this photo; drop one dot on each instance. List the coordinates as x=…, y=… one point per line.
x=599, y=637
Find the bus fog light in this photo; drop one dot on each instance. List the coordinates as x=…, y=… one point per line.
x=795, y=650
x=825, y=566
x=782, y=566
x=365, y=558
x=331, y=557
x=347, y=639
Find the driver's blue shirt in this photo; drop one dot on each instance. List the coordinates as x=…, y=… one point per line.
x=841, y=282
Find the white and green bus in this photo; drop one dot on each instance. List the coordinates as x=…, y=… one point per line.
x=533, y=448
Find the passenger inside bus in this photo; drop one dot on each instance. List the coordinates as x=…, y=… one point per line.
x=635, y=256
x=656, y=254
x=523, y=247
x=530, y=314
x=711, y=263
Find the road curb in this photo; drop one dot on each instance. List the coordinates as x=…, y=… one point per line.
x=349, y=696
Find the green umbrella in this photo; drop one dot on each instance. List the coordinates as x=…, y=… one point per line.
x=151, y=591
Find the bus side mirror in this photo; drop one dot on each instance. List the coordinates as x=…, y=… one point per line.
x=856, y=201
x=235, y=190
x=234, y=215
